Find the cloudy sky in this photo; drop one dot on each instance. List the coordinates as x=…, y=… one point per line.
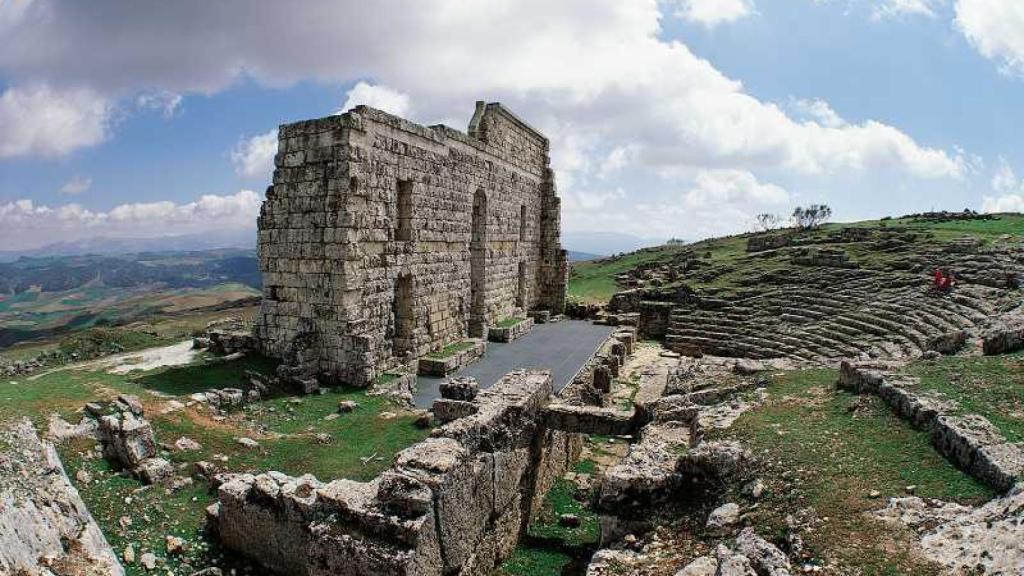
x=679, y=118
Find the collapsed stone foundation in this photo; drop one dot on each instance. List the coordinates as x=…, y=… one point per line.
x=455, y=503
x=969, y=441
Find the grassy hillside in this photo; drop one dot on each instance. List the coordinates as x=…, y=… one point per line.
x=722, y=264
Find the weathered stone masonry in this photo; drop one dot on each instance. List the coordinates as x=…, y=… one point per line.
x=382, y=240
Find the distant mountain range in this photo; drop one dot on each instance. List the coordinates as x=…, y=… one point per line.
x=169, y=269
x=581, y=256
x=599, y=244
x=581, y=245
x=105, y=246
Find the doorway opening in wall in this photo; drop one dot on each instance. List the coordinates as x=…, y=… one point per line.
x=521, y=293
x=403, y=342
x=478, y=266
x=403, y=231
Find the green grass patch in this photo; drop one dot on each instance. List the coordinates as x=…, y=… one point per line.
x=154, y=513
x=509, y=322
x=526, y=561
x=992, y=386
x=385, y=378
x=835, y=448
x=586, y=466
x=204, y=376
x=361, y=444
x=451, y=350
x=561, y=500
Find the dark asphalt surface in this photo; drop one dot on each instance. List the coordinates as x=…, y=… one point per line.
x=562, y=347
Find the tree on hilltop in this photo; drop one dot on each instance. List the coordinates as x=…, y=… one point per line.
x=811, y=216
x=767, y=221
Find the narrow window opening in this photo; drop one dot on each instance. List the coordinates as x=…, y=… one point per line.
x=522, y=223
x=403, y=231
x=521, y=294
x=478, y=266
x=403, y=343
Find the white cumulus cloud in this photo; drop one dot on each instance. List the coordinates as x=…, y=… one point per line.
x=1004, y=203
x=894, y=8
x=254, y=157
x=165, y=102
x=620, y=101
x=24, y=224
x=1009, y=189
x=379, y=97
x=996, y=29
x=717, y=187
x=711, y=13
x=38, y=120
x=76, y=185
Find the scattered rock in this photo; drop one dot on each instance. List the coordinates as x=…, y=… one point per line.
x=423, y=420
x=172, y=406
x=346, y=406
x=129, y=554
x=148, y=561
x=702, y=566
x=132, y=403
x=724, y=516
x=462, y=388
x=83, y=476
x=185, y=444
x=755, y=488
x=155, y=470
x=323, y=438
x=387, y=416
x=205, y=469
x=732, y=564
x=747, y=367
x=764, y=556
x=175, y=545
x=569, y=520
x=247, y=443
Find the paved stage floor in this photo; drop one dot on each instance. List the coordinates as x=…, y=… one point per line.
x=562, y=347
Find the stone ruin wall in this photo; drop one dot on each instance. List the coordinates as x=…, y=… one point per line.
x=367, y=238
x=455, y=503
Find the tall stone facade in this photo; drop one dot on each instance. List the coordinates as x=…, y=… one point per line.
x=382, y=240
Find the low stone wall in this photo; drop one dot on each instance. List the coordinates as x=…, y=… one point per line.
x=229, y=341
x=510, y=333
x=590, y=420
x=455, y=503
x=401, y=388
x=595, y=377
x=444, y=366
x=970, y=442
x=1004, y=339
x=762, y=242
x=654, y=319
